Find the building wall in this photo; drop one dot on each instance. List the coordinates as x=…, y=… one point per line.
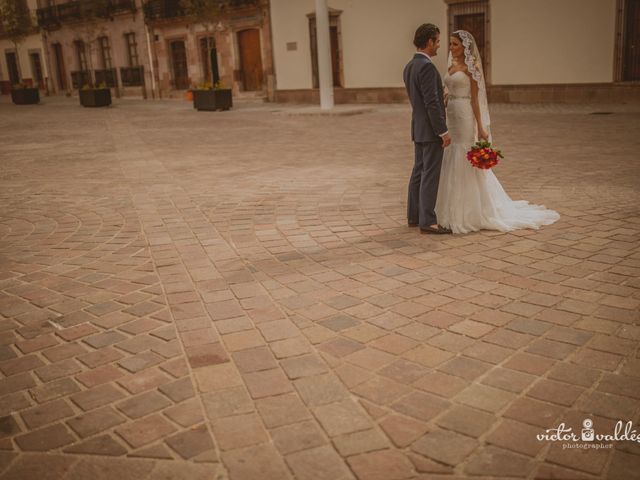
x=115, y=30
x=552, y=41
x=33, y=43
x=376, y=39
x=226, y=39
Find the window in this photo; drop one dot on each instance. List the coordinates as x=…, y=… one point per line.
x=206, y=60
x=132, y=49
x=81, y=55
x=336, y=50
x=105, y=52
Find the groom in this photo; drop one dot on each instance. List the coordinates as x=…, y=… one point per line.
x=428, y=130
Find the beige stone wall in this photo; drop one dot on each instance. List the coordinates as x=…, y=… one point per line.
x=552, y=41
x=33, y=43
x=376, y=39
x=115, y=30
x=226, y=38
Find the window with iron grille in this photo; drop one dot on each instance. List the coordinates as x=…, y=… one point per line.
x=105, y=52
x=132, y=49
x=81, y=55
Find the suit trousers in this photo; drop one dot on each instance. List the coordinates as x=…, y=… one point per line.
x=423, y=184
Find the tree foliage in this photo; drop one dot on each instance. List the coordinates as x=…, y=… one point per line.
x=17, y=23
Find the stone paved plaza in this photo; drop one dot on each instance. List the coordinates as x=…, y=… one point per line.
x=236, y=295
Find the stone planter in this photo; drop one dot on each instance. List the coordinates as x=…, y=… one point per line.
x=25, y=96
x=95, y=97
x=212, y=99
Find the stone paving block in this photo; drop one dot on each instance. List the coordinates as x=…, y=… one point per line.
x=143, y=404
x=267, y=383
x=282, y=410
x=445, y=447
x=321, y=389
x=341, y=417
x=320, y=296
x=125, y=469
x=44, y=439
x=239, y=431
x=322, y=463
x=100, y=445
x=261, y=461
x=191, y=443
x=187, y=413
x=41, y=466
x=297, y=436
x=146, y=430
x=229, y=402
x=498, y=463
x=97, y=396
x=95, y=422
x=99, y=375
x=145, y=380
x=46, y=413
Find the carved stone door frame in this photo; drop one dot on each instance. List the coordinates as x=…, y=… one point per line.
x=458, y=8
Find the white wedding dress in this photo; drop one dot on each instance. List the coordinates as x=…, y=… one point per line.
x=469, y=198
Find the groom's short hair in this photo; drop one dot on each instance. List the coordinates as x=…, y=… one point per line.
x=424, y=33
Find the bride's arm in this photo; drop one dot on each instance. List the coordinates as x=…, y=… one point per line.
x=475, y=104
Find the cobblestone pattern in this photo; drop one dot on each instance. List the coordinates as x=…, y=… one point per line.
x=236, y=295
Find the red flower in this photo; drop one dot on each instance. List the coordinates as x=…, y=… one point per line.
x=482, y=155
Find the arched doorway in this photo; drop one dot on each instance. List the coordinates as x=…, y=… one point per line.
x=250, y=59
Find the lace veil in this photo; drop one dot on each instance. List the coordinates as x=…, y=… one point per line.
x=474, y=64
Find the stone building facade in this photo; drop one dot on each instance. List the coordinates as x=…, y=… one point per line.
x=242, y=40
x=111, y=50
x=533, y=50
x=28, y=62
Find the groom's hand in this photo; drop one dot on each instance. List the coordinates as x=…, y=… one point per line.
x=446, y=140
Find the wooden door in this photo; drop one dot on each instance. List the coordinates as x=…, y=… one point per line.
x=60, y=71
x=250, y=59
x=12, y=66
x=334, y=39
x=36, y=69
x=631, y=68
x=474, y=24
x=335, y=58
x=179, y=64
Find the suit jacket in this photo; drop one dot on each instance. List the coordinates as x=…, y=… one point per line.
x=424, y=87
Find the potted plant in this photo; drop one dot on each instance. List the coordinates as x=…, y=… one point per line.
x=211, y=94
x=95, y=96
x=22, y=94
x=17, y=24
x=90, y=16
x=212, y=97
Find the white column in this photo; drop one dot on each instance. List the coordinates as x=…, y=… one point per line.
x=325, y=75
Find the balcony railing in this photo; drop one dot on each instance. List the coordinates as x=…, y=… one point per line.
x=80, y=78
x=109, y=77
x=132, y=76
x=166, y=9
x=56, y=15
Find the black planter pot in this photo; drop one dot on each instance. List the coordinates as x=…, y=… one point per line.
x=212, y=99
x=25, y=96
x=95, y=97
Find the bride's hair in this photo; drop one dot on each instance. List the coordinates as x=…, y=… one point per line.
x=470, y=45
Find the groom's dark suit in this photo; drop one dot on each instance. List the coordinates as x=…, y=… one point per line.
x=424, y=87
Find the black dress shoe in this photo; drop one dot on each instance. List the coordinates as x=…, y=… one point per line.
x=439, y=230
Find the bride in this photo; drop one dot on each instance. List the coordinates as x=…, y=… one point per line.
x=469, y=198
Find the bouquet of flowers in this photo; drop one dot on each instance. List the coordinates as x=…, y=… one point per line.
x=483, y=155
